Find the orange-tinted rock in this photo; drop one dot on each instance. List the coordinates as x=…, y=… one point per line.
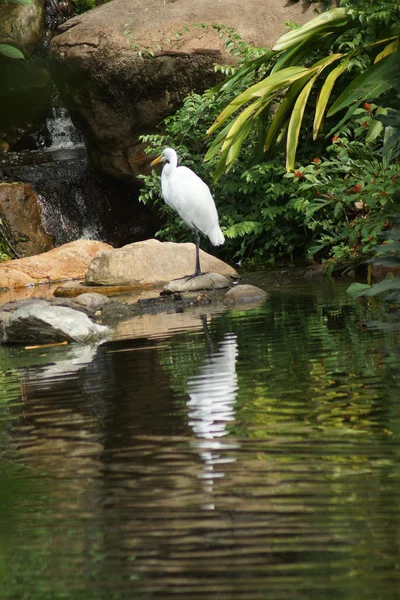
x=21, y=211
x=66, y=262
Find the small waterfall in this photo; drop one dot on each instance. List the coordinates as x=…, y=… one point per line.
x=77, y=202
x=62, y=134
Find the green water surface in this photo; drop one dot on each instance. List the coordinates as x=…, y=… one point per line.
x=249, y=454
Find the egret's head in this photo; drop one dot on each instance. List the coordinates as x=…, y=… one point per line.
x=168, y=155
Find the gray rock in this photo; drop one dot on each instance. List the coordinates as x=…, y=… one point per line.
x=207, y=281
x=92, y=300
x=41, y=324
x=245, y=294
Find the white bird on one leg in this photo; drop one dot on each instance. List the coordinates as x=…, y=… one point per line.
x=191, y=198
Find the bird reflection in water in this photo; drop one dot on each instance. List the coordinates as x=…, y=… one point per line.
x=212, y=394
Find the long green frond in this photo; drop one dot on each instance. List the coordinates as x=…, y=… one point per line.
x=295, y=123
x=376, y=80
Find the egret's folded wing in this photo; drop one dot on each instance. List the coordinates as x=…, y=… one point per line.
x=192, y=200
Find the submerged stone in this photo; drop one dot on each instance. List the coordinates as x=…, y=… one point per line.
x=245, y=294
x=92, y=300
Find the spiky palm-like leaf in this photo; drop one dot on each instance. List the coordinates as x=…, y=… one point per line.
x=288, y=87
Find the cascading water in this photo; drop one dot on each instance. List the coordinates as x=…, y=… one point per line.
x=76, y=201
x=62, y=135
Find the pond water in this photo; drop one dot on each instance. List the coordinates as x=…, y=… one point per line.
x=234, y=454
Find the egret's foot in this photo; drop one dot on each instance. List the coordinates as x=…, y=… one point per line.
x=195, y=283
x=188, y=277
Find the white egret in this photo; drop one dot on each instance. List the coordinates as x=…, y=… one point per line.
x=191, y=198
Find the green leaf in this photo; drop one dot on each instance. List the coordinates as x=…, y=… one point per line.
x=325, y=93
x=392, y=47
x=379, y=78
x=239, y=122
x=295, y=123
x=390, y=119
x=375, y=126
x=237, y=144
x=382, y=286
x=391, y=262
x=324, y=20
x=10, y=51
x=387, y=249
x=267, y=86
x=391, y=234
x=357, y=289
x=280, y=115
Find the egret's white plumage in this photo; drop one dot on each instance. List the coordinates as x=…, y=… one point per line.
x=186, y=193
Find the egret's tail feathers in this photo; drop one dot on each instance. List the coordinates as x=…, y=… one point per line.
x=216, y=236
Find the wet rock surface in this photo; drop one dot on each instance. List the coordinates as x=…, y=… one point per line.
x=245, y=294
x=21, y=213
x=42, y=323
x=86, y=318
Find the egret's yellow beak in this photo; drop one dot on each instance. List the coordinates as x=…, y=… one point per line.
x=156, y=160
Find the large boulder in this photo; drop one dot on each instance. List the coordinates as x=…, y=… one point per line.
x=21, y=214
x=116, y=91
x=66, y=262
x=150, y=262
x=22, y=24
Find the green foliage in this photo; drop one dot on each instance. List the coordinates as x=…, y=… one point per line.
x=305, y=69
x=347, y=196
x=10, y=51
x=387, y=255
x=82, y=6
x=252, y=203
x=333, y=206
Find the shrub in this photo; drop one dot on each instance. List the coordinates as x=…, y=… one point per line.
x=333, y=206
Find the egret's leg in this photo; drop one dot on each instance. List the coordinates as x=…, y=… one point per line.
x=197, y=269
x=197, y=242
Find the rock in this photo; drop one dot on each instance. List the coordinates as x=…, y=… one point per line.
x=72, y=289
x=315, y=272
x=114, y=312
x=245, y=294
x=206, y=281
x=39, y=324
x=115, y=90
x=22, y=24
x=379, y=273
x=66, y=262
x=150, y=262
x=92, y=300
x=21, y=212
